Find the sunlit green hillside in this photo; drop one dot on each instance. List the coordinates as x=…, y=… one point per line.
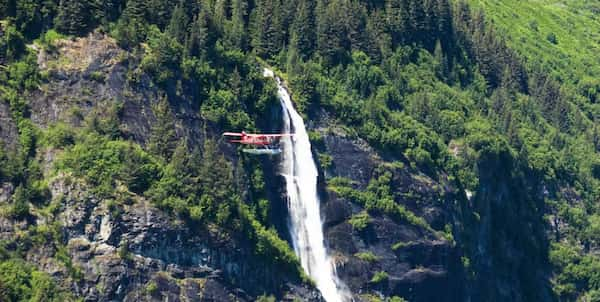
x=562, y=35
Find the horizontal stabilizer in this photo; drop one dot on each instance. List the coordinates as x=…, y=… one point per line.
x=262, y=151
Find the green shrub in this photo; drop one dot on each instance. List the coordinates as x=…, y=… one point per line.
x=43, y=287
x=378, y=199
x=270, y=246
x=23, y=75
x=15, y=277
x=104, y=162
x=316, y=139
x=12, y=43
x=98, y=76
x=63, y=256
x=379, y=277
x=20, y=203
x=196, y=213
x=124, y=252
x=339, y=182
x=325, y=160
x=551, y=37
x=466, y=262
x=223, y=108
x=359, y=221
x=44, y=233
x=19, y=281
x=398, y=245
x=114, y=208
x=593, y=295
x=447, y=234
x=48, y=40
x=164, y=56
x=6, y=168
x=51, y=36
x=190, y=186
x=152, y=288
x=533, y=24
x=59, y=135
x=265, y=298
x=367, y=256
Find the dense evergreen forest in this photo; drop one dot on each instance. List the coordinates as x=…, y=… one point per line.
x=435, y=86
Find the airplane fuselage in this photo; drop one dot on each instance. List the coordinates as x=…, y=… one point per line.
x=254, y=139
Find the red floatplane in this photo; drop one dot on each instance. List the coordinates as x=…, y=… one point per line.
x=263, y=143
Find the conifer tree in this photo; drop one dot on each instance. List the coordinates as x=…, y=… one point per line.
x=196, y=41
x=131, y=29
x=267, y=32
x=235, y=83
x=379, y=40
x=177, y=28
x=180, y=163
x=73, y=16
x=106, y=11
x=235, y=34
x=596, y=135
x=163, y=138
x=444, y=26
x=430, y=24
x=29, y=16
x=221, y=12
x=331, y=33
x=293, y=59
x=356, y=25
x=216, y=183
x=12, y=45
x=397, y=19
x=509, y=81
x=159, y=12
x=416, y=17
x=303, y=29
x=461, y=17
x=135, y=10
x=562, y=114
x=441, y=60
x=20, y=202
x=8, y=8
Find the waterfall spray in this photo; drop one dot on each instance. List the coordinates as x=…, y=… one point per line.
x=300, y=172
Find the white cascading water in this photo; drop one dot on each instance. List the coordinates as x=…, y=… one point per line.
x=300, y=172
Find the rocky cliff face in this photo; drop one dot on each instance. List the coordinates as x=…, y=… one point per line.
x=164, y=258
x=136, y=252
x=421, y=265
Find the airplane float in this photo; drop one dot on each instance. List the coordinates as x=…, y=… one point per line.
x=263, y=143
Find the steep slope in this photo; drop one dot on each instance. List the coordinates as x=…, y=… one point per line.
x=454, y=165
x=412, y=259
x=117, y=244
x=559, y=40
x=562, y=36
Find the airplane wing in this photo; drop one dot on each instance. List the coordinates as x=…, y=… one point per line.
x=257, y=134
x=232, y=134
x=276, y=135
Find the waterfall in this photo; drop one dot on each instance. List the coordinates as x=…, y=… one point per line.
x=300, y=172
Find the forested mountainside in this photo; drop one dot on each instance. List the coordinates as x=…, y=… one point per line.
x=457, y=143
